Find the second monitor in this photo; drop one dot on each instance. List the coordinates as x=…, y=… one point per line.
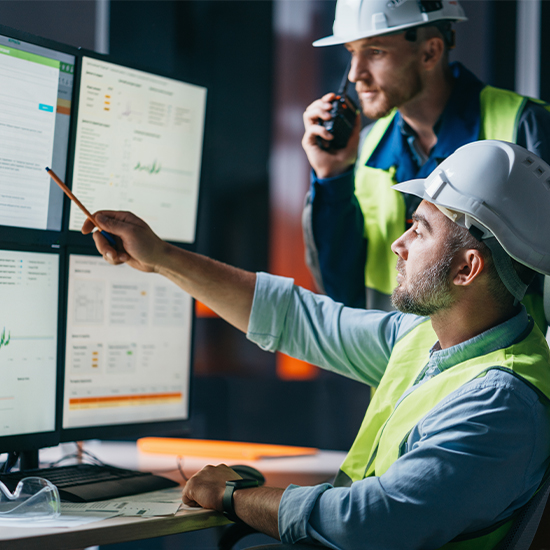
x=139, y=147
x=128, y=350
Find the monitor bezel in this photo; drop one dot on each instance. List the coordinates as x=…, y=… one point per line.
x=74, y=238
x=38, y=440
x=46, y=237
x=124, y=431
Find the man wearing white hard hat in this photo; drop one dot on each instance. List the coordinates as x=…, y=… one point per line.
x=425, y=109
x=456, y=442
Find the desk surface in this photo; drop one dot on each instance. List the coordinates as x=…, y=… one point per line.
x=108, y=531
x=279, y=472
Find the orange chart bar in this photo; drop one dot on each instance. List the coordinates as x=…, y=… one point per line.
x=125, y=400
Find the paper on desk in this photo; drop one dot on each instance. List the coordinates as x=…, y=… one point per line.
x=172, y=494
x=121, y=507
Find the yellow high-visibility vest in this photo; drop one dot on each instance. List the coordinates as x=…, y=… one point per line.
x=388, y=424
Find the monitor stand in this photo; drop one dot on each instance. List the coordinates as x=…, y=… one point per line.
x=28, y=460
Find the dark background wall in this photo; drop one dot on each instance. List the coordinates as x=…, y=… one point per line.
x=256, y=59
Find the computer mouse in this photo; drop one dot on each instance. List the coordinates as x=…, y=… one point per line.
x=248, y=472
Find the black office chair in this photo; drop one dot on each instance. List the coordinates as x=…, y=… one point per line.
x=528, y=524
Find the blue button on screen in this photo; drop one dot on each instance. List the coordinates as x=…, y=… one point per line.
x=47, y=108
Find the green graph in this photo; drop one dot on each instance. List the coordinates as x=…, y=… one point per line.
x=4, y=341
x=149, y=168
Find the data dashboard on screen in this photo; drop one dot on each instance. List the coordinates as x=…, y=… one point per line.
x=35, y=111
x=29, y=288
x=128, y=348
x=139, y=147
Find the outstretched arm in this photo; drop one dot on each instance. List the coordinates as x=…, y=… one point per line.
x=227, y=290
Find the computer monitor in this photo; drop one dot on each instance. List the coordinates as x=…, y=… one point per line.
x=35, y=112
x=89, y=350
x=29, y=320
x=138, y=147
x=128, y=352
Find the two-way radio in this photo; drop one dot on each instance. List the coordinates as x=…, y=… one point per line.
x=343, y=114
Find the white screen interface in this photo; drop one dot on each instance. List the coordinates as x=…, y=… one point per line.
x=28, y=341
x=35, y=111
x=139, y=147
x=128, y=349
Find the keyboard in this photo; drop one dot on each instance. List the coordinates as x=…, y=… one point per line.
x=91, y=482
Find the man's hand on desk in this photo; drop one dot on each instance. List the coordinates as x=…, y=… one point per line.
x=207, y=486
x=258, y=506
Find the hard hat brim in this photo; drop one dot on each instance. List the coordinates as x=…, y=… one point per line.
x=413, y=187
x=333, y=40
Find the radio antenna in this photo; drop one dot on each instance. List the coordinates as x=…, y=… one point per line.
x=345, y=81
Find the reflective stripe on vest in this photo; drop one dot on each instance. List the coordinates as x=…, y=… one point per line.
x=387, y=424
x=384, y=209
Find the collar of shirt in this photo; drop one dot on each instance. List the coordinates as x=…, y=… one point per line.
x=499, y=337
x=458, y=124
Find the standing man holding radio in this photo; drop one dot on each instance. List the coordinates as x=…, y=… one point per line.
x=424, y=108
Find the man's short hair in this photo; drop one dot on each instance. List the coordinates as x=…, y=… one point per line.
x=442, y=29
x=460, y=238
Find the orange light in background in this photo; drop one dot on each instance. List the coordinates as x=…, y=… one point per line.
x=203, y=311
x=289, y=368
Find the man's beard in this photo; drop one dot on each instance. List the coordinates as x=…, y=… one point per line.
x=401, y=92
x=429, y=293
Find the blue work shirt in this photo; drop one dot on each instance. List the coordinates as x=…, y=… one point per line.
x=333, y=223
x=473, y=460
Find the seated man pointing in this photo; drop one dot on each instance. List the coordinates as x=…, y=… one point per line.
x=457, y=438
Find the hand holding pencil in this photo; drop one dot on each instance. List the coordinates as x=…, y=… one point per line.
x=69, y=193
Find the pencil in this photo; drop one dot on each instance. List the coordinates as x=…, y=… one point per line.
x=69, y=194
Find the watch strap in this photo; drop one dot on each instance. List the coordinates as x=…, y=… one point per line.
x=230, y=488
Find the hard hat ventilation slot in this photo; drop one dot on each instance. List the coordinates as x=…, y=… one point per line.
x=427, y=6
x=528, y=161
x=547, y=184
x=539, y=170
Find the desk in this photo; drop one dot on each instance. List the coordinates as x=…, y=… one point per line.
x=279, y=472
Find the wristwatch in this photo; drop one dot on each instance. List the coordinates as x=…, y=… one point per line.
x=230, y=488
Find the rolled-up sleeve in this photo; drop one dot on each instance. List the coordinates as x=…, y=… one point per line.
x=356, y=343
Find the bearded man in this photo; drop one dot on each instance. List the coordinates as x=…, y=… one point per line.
x=457, y=438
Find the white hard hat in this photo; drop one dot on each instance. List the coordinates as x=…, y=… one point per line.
x=356, y=19
x=501, y=190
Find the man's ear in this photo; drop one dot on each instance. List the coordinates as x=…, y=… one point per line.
x=432, y=51
x=469, y=266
